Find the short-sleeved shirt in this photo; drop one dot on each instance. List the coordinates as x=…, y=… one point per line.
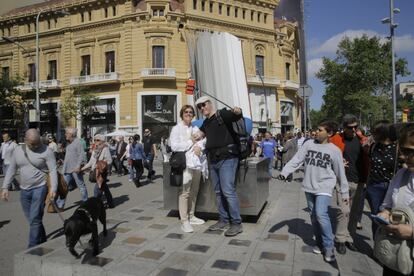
x=268, y=147
x=351, y=154
x=148, y=141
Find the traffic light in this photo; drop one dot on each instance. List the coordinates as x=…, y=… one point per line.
x=190, y=86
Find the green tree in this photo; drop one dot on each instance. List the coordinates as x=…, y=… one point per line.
x=358, y=80
x=78, y=104
x=10, y=96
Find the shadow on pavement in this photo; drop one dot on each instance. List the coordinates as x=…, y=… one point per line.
x=115, y=185
x=297, y=227
x=4, y=222
x=120, y=200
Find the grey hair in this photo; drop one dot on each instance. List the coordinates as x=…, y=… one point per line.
x=72, y=131
x=32, y=134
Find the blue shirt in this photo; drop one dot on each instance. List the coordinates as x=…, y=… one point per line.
x=137, y=152
x=268, y=147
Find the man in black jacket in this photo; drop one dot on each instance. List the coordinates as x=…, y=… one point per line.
x=120, y=151
x=223, y=158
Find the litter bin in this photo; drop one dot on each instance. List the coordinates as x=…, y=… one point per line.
x=252, y=189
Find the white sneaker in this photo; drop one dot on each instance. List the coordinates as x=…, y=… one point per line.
x=196, y=221
x=186, y=227
x=316, y=250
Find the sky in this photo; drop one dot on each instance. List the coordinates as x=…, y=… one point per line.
x=328, y=21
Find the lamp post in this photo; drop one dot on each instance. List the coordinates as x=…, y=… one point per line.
x=390, y=21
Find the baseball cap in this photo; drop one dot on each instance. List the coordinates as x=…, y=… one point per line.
x=202, y=99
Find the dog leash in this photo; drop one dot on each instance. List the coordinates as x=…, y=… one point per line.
x=61, y=217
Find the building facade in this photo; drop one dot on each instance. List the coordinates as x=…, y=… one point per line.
x=133, y=56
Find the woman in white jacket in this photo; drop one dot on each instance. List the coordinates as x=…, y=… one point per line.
x=181, y=139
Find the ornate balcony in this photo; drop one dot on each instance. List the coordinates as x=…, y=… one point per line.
x=288, y=84
x=95, y=79
x=158, y=73
x=268, y=81
x=46, y=84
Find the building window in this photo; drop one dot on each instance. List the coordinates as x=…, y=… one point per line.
x=158, y=57
x=110, y=62
x=203, y=5
x=86, y=65
x=251, y=15
x=5, y=73
x=220, y=8
x=211, y=6
x=244, y=14
x=106, y=12
x=258, y=16
x=228, y=10
x=56, y=21
x=158, y=12
x=48, y=24
x=161, y=12
x=259, y=65
x=8, y=31
x=114, y=10
x=82, y=17
x=194, y=4
x=265, y=18
x=236, y=11
x=287, y=70
x=32, y=72
x=90, y=15
x=28, y=28
x=52, y=70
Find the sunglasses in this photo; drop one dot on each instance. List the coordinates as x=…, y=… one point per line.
x=407, y=152
x=189, y=112
x=352, y=127
x=201, y=105
x=97, y=140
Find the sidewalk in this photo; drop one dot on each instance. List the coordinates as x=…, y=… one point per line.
x=144, y=241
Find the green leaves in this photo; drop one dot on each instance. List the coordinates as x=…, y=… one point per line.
x=358, y=80
x=78, y=104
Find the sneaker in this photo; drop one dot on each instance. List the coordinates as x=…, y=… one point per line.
x=234, y=230
x=220, y=225
x=359, y=226
x=341, y=248
x=196, y=221
x=316, y=250
x=329, y=256
x=186, y=227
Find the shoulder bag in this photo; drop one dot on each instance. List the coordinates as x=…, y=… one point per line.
x=392, y=251
x=92, y=173
x=62, y=189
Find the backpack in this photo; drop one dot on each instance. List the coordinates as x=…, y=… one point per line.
x=240, y=136
x=392, y=251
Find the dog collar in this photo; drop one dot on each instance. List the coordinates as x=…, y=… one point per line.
x=86, y=213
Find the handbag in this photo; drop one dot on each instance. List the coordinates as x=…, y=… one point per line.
x=178, y=160
x=392, y=251
x=62, y=189
x=92, y=173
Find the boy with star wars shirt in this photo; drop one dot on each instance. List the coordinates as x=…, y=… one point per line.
x=324, y=167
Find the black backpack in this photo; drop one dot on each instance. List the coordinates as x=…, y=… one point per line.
x=240, y=136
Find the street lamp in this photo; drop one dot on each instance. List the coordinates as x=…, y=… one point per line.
x=265, y=94
x=390, y=21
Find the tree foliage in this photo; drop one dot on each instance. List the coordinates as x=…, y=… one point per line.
x=359, y=79
x=11, y=96
x=78, y=104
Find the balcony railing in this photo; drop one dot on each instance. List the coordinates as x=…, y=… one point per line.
x=290, y=84
x=94, y=78
x=251, y=79
x=158, y=72
x=46, y=84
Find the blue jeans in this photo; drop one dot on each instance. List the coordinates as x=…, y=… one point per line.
x=33, y=204
x=104, y=189
x=223, y=177
x=270, y=164
x=321, y=223
x=78, y=179
x=376, y=194
x=148, y=164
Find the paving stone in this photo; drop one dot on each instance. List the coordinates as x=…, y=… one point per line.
x=98, y=261
x=168, y=271
x=157, y=201
x=136, y=210
x=145, y=218
x=218, y=232
x=27, y=265
x=39, y=251
x=121, y=230
x=278, y=237
x=267, y=269
x=134, y=240
x=158, y=226
x=273, y=256
x=240, y=242
x=226, y=265
x=113, y=221
x=132, y=266
x=309, y=272
x=185, y=261
x=198, y=248
x=175, y=236
x=150, y=254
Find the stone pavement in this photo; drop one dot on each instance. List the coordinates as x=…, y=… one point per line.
x=145, y=241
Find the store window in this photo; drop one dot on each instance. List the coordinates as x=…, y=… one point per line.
x=159, y=114
x=52, y=70
x=31, y=72
x=5, y=73
x=286, y=113
x=158, y=57
x=110, y=62
x=100, y=118
x=259, y=65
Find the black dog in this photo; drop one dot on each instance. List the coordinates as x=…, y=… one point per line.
x=83, y=221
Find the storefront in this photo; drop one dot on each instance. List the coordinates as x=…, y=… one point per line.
x=101, y=118
x=49, y=120
x=286, y=116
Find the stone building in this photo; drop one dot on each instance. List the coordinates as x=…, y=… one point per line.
x=133, y=56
